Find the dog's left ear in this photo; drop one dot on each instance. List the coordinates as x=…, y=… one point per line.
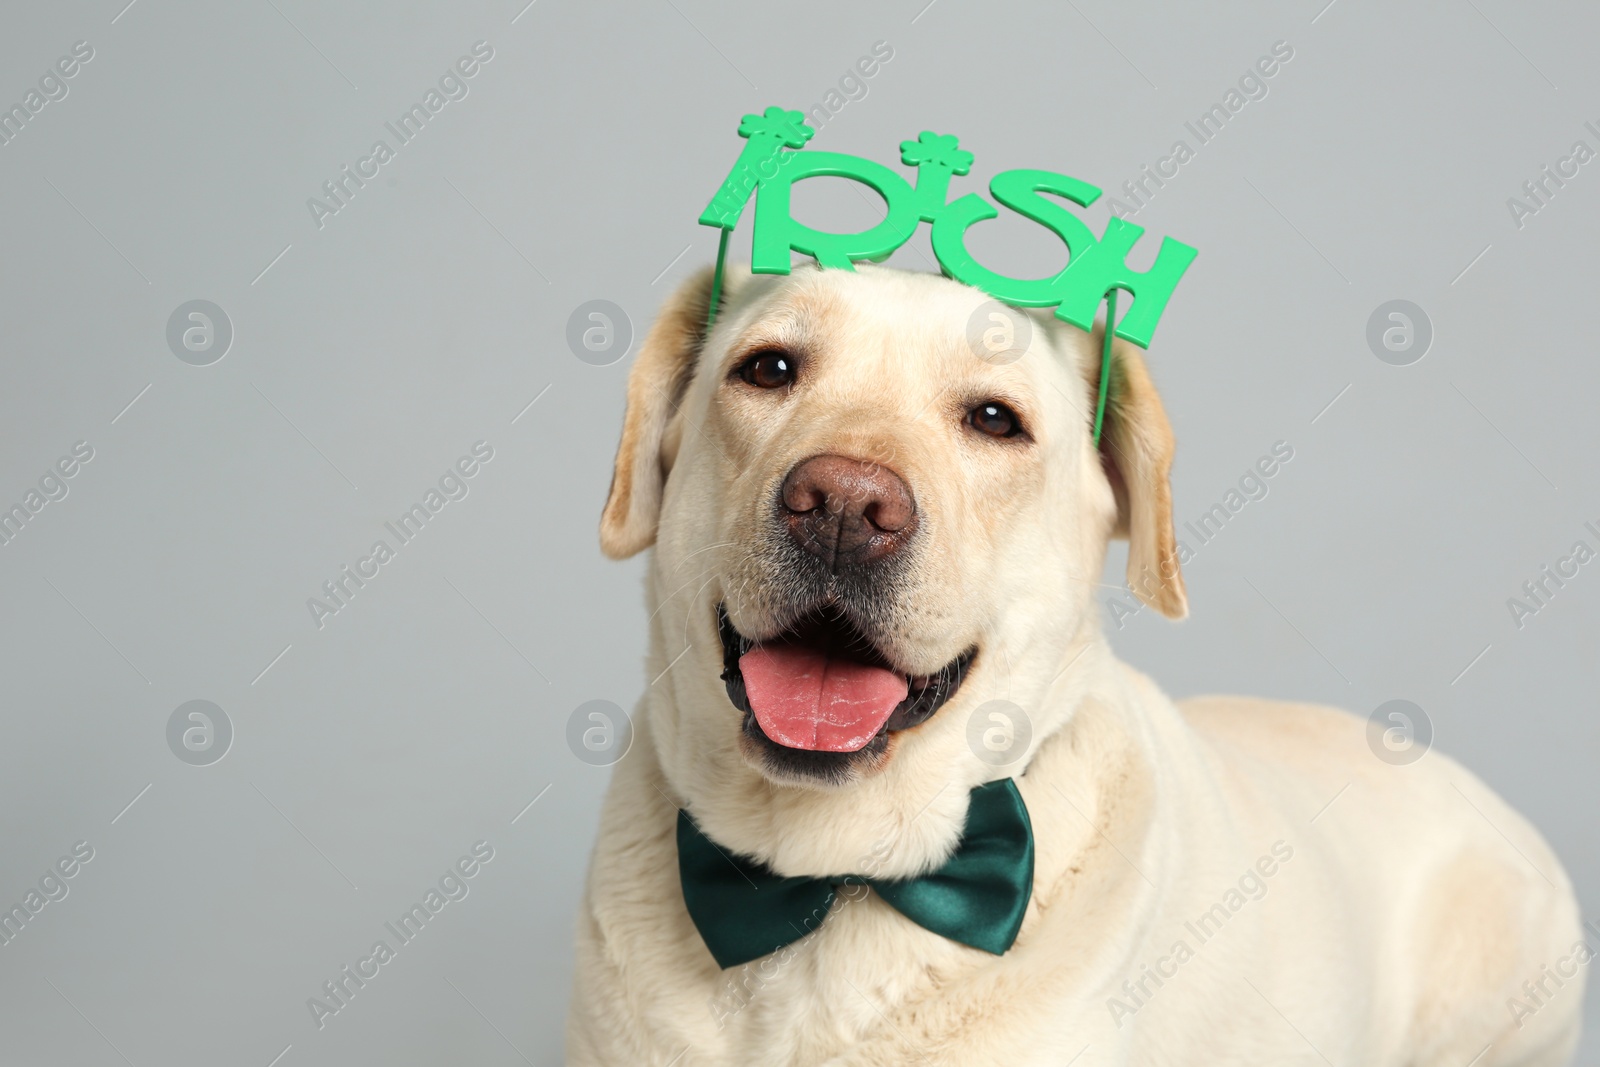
x=655, y=387
x=1136, y=448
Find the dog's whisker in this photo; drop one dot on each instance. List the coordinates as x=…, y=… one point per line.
x=668, y=598
x=696, y=552
x=692, y=601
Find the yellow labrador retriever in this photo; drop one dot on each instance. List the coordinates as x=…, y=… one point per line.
x=863, y=534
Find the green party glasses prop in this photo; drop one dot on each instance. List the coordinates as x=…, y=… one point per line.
x=772, y=162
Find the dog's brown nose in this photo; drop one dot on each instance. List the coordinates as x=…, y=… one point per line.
x=843, y=509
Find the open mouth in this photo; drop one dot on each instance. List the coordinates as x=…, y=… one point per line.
x=823, y=694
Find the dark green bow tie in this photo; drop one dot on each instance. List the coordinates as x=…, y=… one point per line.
x=743, y=911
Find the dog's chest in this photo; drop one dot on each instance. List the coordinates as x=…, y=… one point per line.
x=826, y=992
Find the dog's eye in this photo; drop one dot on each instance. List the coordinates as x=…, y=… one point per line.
x=768, y=370
x=995, y=419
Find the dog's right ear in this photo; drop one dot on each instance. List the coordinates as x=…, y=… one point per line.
x=1136, y=451
x=656, y=385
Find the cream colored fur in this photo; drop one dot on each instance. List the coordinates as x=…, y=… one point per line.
x=1405, y=905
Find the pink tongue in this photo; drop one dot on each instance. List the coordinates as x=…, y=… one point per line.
x=805, y=698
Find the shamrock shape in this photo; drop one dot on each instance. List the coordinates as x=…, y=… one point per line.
x=788, y=126
x=941, y=150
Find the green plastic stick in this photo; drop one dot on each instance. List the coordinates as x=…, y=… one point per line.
x=716, y=281
x=1105, y=365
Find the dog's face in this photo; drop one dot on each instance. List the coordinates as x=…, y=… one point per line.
x=865, y=529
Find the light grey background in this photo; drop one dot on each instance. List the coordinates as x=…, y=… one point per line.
x=369, y=354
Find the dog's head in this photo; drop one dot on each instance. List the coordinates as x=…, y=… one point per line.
x=864, y=529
